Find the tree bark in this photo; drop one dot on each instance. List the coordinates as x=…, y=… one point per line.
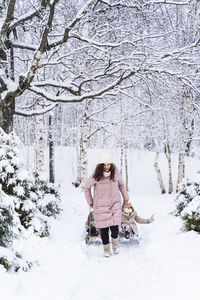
x=84, y=145
x=181, y=169
x=168, y=155
x=51, y=152
x=39, y=151
x=185, y=133
x=7, y=108
x=126, y=163
x=160, y=180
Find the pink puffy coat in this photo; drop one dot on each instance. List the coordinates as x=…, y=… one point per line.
x=106, y=199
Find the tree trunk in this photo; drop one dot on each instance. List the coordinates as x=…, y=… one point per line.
x=39, y=151
x=121, y=154
x=7, y=108
x=168, y=155
x=168, y=151
x=121, y=136
x=78, y=151
x=189, y=140
x=84, y=146
x=84, y=150
x=160, y=180
x=126, y=163
x=158, y=172
x=51, y=152
x=181, y=169
x=185, y=134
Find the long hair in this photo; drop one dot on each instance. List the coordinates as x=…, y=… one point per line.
x=98, y=173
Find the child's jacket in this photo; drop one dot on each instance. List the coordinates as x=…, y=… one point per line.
x=131, y=218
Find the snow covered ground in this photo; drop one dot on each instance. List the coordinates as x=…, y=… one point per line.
x=165, y=265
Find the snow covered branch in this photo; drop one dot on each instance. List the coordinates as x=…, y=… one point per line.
x=24, y=46
x=24, y=18
x=124, y=42
x=57, y=85
x=166, y=2
x=35, y=112
x=78, y=17
x=101, y=110
x=93, y=95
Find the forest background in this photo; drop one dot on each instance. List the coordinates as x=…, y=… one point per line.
x=104, y=74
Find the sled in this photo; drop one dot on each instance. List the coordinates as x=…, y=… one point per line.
x=93, y=233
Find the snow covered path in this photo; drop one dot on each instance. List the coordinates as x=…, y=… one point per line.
x=164, y=266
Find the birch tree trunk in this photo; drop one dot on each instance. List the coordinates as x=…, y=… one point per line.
x=181, y=167
x=78, y=150
x=121, y=135
x=84, y=146
x=126, y=163
x=40, y=145
x=156, y=166
x=185, y=134
x=158, y=172
x=121, y=151
x=168, y=155
x=51, y=151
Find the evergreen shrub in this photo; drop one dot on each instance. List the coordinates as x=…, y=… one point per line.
x=28, y=201
x=188, y=204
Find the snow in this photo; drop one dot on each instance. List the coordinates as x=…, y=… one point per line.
x=164, y=266
x=6, y=253
x=3, y=164
x=23, y=174
x=11, y=87
x=193, y=206
x=19, y=190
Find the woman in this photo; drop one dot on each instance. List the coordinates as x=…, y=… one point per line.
x=106, y=201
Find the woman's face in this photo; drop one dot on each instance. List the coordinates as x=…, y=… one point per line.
x=107, y=167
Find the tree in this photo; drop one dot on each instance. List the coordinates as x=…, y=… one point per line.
x=14, y=34
x=94, y=50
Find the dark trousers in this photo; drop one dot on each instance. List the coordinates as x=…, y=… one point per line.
x=105, y=233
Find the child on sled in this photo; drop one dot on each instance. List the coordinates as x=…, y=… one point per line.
x=129, y=220
x=92, y=231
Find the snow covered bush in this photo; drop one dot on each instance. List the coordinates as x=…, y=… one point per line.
x=31, y=201
x=10, y=229
x=188, y=204
x=6, y=224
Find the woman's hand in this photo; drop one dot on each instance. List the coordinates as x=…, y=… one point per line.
x=127, y=205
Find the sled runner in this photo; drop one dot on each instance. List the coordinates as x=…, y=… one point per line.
x=126, y=233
